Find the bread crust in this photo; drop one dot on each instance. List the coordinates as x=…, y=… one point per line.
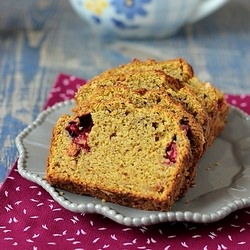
x=160, y=194
x=157, y=114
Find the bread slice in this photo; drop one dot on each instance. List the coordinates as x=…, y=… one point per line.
x=142, y=98
x=137, y=134
x=148, y=79
x=211, y=99
x=214, y=103
x=143, y=80
x=136, y=157
x=178, y=68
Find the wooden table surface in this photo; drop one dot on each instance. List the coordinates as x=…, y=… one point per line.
x=39, y=39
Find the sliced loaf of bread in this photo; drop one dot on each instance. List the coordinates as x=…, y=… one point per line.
x=136, y=157
x=137, y=134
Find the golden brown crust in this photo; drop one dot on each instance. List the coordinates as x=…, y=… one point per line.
x=125, y=188
x=104, y=86
x=151, y=123
x=177, y=68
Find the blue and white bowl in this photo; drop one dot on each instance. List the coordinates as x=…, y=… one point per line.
x=143, y=18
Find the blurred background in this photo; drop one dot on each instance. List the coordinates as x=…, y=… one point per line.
x=40, y=39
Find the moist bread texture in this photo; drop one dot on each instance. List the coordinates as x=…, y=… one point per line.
x=131, y=155
x=137, y=134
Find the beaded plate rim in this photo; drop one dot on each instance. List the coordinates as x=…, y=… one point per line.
x=37, y=136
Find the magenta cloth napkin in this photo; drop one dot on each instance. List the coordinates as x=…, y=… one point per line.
x=31, y=219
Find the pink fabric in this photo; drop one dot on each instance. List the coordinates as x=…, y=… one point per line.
x=31, y=219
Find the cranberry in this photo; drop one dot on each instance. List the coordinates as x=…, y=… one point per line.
x=82, y=141
x=171, y=152
x=73, y=128
x=79, y=131
x=185, y=127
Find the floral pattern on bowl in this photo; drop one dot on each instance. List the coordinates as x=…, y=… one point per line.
x=130, y=7
x=127, y=8
x=142, y=18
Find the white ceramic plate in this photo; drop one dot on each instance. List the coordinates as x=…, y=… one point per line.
x=222, y=184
